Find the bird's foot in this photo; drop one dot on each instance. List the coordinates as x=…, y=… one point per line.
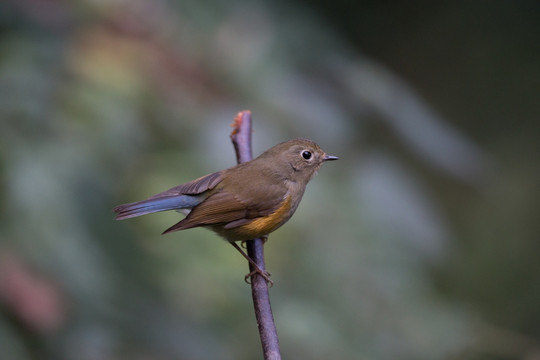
x=258, y=271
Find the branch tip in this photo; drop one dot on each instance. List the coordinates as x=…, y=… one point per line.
x=238, y=120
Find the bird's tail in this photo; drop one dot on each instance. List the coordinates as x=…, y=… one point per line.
x=153, y=205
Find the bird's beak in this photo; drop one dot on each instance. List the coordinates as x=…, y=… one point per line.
x=330, y=157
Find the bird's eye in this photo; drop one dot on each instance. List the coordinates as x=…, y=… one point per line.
x=306, y=154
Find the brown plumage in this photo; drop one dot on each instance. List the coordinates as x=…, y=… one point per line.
x=243, y=202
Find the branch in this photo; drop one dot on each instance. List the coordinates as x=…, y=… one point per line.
x=241, y=139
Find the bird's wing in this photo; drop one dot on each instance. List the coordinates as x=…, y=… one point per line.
x=248, y=201
x=194, y=187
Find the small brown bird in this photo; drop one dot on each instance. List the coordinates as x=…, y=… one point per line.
x=245, y=202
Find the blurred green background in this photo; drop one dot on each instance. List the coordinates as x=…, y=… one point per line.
x=422, y=242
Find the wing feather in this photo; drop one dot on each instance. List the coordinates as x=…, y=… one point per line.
x=194, y=187
x=247, y=201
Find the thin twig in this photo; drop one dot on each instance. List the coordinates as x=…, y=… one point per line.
x=241, y=138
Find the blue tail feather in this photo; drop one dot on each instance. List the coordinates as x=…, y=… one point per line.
x=144, y=207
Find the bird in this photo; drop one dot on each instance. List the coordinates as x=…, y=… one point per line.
x=244, y=202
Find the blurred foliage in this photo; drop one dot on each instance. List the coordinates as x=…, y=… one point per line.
x=420, y=243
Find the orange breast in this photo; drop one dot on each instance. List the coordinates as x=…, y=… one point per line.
x=265, y=225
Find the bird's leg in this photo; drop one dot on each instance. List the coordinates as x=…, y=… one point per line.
x=265, y=274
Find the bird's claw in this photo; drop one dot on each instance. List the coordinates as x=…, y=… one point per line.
x=264, y=274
